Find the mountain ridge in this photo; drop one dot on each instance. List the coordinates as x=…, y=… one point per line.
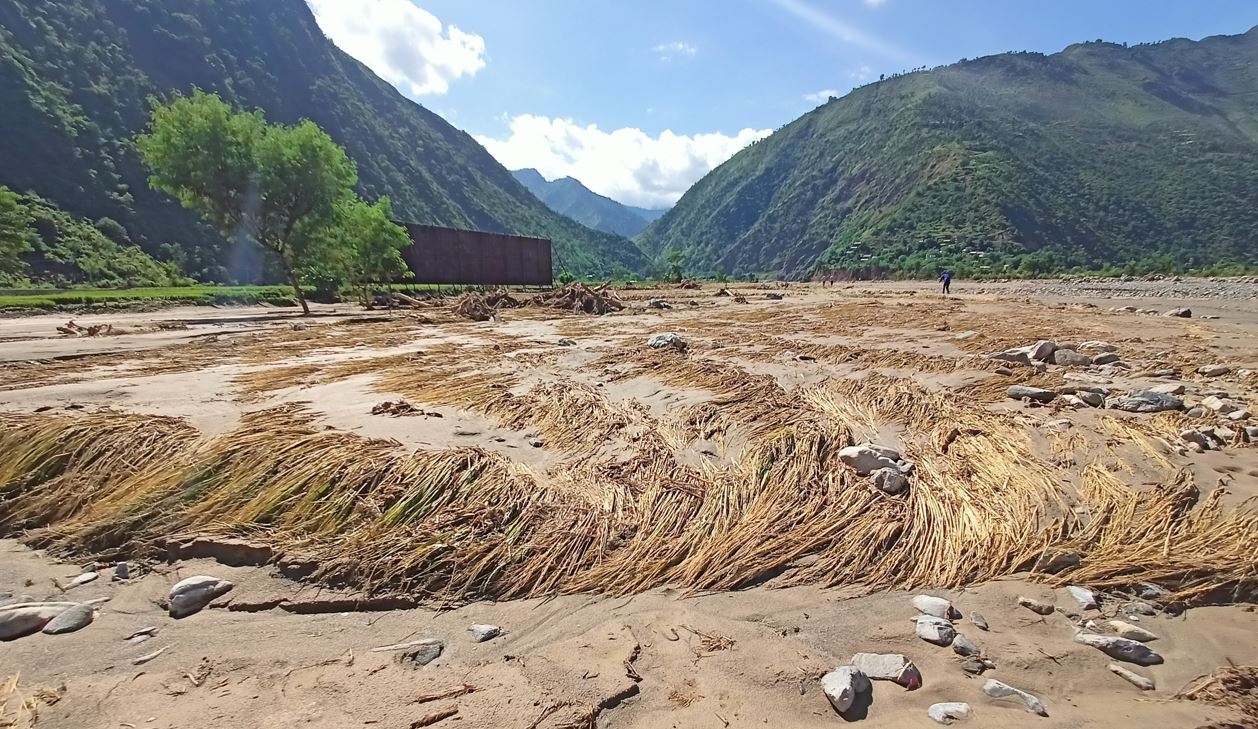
x=570, y=197
x=1096, y=155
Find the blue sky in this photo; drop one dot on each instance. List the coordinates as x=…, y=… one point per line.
x=640, y=99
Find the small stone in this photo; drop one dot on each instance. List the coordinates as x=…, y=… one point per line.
x=999, y=690
x=536, y=442
x=868, y=458
x=1169, y=388
x=1020, y=355
x=934, y=606
x=567, y=342
x=1085, y=597
x=946, y=713
x=842, y=685
x=1071, y=358
x=76, y=618
x=1095, y=346
x=888, y=667
x=1038, y=394
x=668, y=340
x=84, y=578
x=1220, y=405
x=963, y=336
x=1106, y=358
x=890, y=481
x=965, y=647
x=122, y=571
x=1146, y=401
x=1182, y=312
x=1132, y=632
x=1092, y=399
x=659, y=304
x=1003, y=371
x=1121, y=649
x=1140, y=682
x=974, y=666
x=1036, y=606
x=29, y=617
x=482, y=633
x=1215, y=370
x=1197, y=412
x=1139, y=607
x=420, y=653
x=979, y=621
x=190, y=595
x=1060, y=425
x=1238, y=415
x=935, y=630
x=1042, y=350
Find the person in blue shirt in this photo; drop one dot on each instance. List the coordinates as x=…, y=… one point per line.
x=947, y=282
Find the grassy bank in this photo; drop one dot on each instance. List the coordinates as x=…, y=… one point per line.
x=192, y=295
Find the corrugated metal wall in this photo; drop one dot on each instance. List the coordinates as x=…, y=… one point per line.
x=472, y=258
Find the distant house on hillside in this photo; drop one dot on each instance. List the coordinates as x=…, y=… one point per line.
x=474, y=258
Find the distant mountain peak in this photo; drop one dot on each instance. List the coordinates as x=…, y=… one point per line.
x=569, y=196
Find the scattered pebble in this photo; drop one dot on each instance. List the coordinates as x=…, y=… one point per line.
x=1036, y=606
x=1084, y=596
x=191, y=595
x=979, y=621
x=999, y=690
x=482, y=633
x=934, y=606
x=935, y=630
x=1121, y=649
x=1132, y=632
x=947, y=713
x=965, y=647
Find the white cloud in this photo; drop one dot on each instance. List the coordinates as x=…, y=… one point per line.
x=821, y=96
x=407, y=46
x=844, y=31
x=676, y=49
x=624, y=164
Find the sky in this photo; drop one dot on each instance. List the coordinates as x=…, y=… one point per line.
x=640, y=99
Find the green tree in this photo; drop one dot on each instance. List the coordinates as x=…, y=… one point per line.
x=275, y=184
x=360, y=244
x=675, y=260
x=16, y=235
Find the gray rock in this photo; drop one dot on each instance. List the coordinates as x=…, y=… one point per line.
x=867, y=458
x=934, y=606
x=76, y=618
x=890, y=481
x=1182, y=312
x=1146, y=401
x=1169, y=388
x=999, y=690
x=975, y=666
x=1215, y=370
x=1071, y=358
x=1003, y=371
x=1054, y=561
x=84, y=578
x=1121, y=649
x=25, y=618
x=1084, y=596
x=565, y=342
x=668, y=340
x=1042, y=350
x=842, y=685
x=1019, y=355
x=420, y=653
x=1139, y=607
x=1092, y=399
x=946, y=713
x=963, y=336
x=1106, y=358
x=189, y=596
x=122, y=571
x=1252, y=432
x=1036, y=606
x=1195, y=437
x=888, y=667
x=963, y=646
x=1135, y=679
x=935, y=630
x=1220, y=405
x=1197, y=412
x=536, y=442
x=482, y=633
x=1132, y=632
x=659, y=304
x=979, y=621
x=1097, y=346
x=1238, y=415
x=1038, y=394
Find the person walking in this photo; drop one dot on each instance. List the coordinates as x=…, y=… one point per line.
x=947, y=282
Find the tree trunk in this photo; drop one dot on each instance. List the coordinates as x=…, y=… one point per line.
x=292, y=281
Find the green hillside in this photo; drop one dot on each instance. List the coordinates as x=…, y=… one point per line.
x=1097, y=155
x=569, y=197
x=74, y=80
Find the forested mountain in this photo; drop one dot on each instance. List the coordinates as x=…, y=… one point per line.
x=567, y=196
x=1100, y=154
x=75, y=77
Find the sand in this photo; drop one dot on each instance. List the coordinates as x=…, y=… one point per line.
x=258, y=659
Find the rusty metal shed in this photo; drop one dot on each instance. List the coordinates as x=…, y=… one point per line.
x=474, y=258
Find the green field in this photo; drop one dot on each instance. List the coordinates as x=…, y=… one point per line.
x=205, y=295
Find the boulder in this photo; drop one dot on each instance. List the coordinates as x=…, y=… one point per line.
x=843, y=685
x=890, y=481
x=948, y=712
x=1132, y=632
x=1038, y=394
x=999, y=690
x=482, y=633
x=934, y=606
x=668, y=340
x=1135, y=679
x=1071, y=358
x=1215, y=370
x=1121, y=649
x=189, y=596
x=1042, y=351
x=1146, y=401
x=935, y=630
x=888, y=667
x=1181, y=312
x=78, y=617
